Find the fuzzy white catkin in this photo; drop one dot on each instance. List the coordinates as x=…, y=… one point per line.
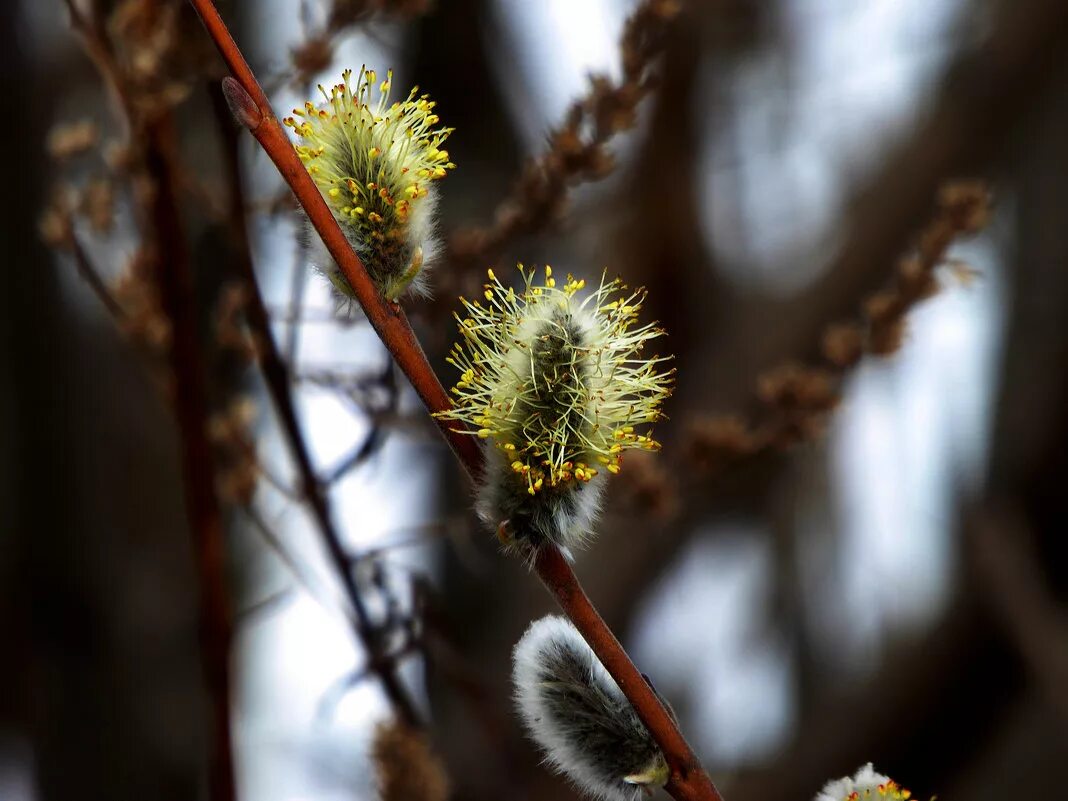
x=865, y=784
x=579, y=717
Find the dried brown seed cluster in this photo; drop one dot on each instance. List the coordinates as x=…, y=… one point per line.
x=796, y=400
x=137, y=295
x=316, y=53
x=577, y=149
x=231, y=332
x=238, y=470
x=56, y=223
x=406, y=767
x=72, y=139
x=97, y=203
x=156, y=56
x=647, y=487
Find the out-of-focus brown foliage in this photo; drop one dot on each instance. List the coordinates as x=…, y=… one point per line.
x=406, y=767
x=577, y=148
x=794, y=400
x=316, y=52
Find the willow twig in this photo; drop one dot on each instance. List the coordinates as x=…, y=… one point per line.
x=251, y=107
x=87, y=270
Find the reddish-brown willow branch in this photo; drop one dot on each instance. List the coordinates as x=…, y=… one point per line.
x=276, y=376
x=688, y=780
x=190, y=400
x=252, y=109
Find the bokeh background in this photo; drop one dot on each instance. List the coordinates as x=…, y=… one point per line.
x=891, y=588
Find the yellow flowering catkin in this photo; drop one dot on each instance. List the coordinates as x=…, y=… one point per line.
x=554, y=378
x=865, y=785
x=375, y=164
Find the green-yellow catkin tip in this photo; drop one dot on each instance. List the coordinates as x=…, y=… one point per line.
x=376, y=163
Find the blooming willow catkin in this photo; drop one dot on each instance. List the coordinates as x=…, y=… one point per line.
x=865, y=784
x=556, y=381
x=579, y=717
x=375, y=165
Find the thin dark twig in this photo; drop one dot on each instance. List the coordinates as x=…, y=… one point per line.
x=299, y=571
x=87, y=270
x=297, y=284
x=265, y=605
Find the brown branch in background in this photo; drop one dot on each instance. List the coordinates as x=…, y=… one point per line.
x=795, y=400
x=145, y=99
x=91, y=276
x=1012, y=582
x=250, y=105
x=190, y=399
x=276, y=375
x=57, y=231
x=316, y=52
x=577, y=149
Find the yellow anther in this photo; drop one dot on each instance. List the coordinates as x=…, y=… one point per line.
x=483, y=433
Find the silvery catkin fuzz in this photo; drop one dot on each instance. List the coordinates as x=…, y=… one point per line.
x=579, y=717
x=375, y=164
x=555, y=380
